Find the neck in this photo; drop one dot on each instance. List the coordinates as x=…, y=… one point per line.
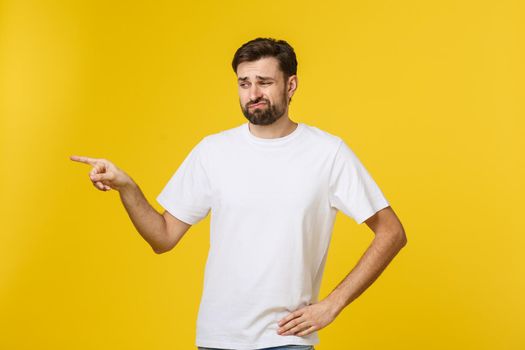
x=280, y=128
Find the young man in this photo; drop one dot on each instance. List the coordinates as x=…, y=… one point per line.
x=274, y=187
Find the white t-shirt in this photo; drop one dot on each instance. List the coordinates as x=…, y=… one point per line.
x=273, y=205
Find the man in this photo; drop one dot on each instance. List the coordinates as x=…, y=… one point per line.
x=274, y=187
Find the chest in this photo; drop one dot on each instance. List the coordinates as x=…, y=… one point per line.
x=271, y=182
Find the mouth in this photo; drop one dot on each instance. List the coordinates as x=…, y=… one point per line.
x=257, y=105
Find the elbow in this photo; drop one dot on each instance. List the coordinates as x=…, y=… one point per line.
x=163, y=248
x=159, y=249
x=396, y=238
x=400, y=235
x=402, y=239
x=162, y=243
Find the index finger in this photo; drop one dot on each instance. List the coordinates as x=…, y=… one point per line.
x=81, y=159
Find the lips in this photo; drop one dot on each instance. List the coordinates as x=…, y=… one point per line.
x=257, y=104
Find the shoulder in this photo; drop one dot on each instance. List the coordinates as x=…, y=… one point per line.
x=222, y=136
x=220, y=142
x=323, y=138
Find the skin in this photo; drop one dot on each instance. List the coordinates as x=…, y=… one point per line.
x=269, y=120
x=389, y=239
x=162, y=232
x=263, y=81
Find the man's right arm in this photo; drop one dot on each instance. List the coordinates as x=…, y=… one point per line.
x=162, y=232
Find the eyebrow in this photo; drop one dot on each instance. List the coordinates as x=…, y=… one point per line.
x=257, y=76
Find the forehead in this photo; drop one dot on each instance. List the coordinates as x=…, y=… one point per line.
x=263, y=67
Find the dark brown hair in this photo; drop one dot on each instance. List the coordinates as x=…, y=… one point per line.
x=267, y=47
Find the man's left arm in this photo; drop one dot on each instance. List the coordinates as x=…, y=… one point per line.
x=389, y=239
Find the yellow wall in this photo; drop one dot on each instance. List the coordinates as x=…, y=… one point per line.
x=429, y=94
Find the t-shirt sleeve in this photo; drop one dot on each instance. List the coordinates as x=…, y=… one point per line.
x=187, y=195
x=351, y=189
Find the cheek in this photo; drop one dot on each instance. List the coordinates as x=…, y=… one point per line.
x=243, y=98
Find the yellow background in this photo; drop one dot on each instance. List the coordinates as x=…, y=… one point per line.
x=429, y=94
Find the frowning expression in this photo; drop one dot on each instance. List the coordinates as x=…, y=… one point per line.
x=263, y=94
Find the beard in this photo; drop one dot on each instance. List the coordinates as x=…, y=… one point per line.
x=266, y=114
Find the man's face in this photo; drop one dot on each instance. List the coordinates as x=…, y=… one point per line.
x=262, y=90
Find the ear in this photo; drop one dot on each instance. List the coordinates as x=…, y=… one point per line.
x=292, y=85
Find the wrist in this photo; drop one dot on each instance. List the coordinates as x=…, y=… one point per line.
x=127, y=185
x=335, y=304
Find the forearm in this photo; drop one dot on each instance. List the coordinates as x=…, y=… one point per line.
x=381, y=251
x=148, y=222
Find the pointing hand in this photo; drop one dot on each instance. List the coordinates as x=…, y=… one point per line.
x=105, y=175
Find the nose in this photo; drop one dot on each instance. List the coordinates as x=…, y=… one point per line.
x=255, y=92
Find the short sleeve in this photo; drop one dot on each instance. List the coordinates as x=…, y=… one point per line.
x=187, y=195
x=351, y=188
